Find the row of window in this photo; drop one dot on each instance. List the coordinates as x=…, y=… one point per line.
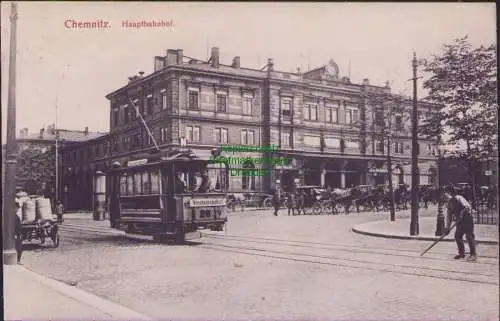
x=143, y=107
x=221, y=103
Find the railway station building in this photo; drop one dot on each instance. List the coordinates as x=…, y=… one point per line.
x=329, y=129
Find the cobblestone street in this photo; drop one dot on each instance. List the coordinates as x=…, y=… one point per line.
x=285, y=267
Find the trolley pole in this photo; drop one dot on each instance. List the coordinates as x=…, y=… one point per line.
x=9, y=208
x=414, y=228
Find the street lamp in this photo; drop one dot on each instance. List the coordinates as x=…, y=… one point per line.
x=440, y=216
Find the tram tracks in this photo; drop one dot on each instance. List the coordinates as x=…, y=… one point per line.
x=343, y=247
x=466, y=275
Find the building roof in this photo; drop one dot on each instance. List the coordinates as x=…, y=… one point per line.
x=64, y=135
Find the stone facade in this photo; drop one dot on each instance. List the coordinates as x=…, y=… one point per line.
x=209, y=104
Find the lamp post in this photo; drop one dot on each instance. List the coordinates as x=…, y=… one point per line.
x=414, y=228
x=440, y=215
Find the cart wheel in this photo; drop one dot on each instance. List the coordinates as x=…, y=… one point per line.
x=55, y=240
x=268, y=202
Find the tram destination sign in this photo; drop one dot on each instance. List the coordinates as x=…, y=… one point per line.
x=203, y=202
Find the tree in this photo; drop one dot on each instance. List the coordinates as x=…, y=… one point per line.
x=463, y=79
x=36, y=169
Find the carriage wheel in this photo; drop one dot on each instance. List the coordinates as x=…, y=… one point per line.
x=268, y=202
x=316, y=208
x=55, y=240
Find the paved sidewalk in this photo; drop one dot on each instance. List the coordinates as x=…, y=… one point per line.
x=400, y=229
x=85, y=221
x=28, y=295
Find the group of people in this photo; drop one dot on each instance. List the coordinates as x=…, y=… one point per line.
x=298, y=200
x=458, y=210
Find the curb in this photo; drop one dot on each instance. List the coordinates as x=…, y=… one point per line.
x=115, y=310
x=418, y=238
x=102, y=230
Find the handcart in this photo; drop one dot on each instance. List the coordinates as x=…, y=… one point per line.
x=40, y=230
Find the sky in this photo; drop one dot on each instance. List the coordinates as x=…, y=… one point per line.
x=75, y=68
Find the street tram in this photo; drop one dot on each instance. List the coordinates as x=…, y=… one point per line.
x=167, y=195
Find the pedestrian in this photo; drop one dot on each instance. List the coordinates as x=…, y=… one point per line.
x=300, y=202
x=291, y=203
x=18, y=228
x=276, y=201
x=60, y=212
x=460, y=209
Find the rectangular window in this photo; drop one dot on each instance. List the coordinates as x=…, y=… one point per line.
x=380, y=145
x=193, y=102
x=149, y=104
x=116, y=116
x=314, y=112
x=307, y=112
x=286, y=107
x=396, y=147
x=123, y=185
x=130, y=185
x=247, y=137
x=329, y=114
x=163, y=99
x=335, y=115
x=247, y=106
x=355, y=115
x=163, y=134
x=285, y=140
x=126, y=114
x=155, y=182
x=401, y=148
x=193, y=133
x=137, y=183
x=379, y=118
x=221, y=135
x=221, y=103
x=348, y=116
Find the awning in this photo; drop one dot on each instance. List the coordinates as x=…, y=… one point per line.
x=204, y=154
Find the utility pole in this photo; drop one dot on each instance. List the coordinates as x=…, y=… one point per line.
x=9, y=208
x=414, y=229
x=57, y=156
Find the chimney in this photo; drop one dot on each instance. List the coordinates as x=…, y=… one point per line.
x=42, y=131
x=86, y=131
x=366, y=81
x=298, y=70
x=215, y=57
x=23, y=132
x=346, y=80
x=180, y=55
x=171, y=58
x=270, y=64
x=141, y=74
x=159, y=63
x=236, y=62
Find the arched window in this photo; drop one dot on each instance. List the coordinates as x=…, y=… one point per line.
x=248, y=177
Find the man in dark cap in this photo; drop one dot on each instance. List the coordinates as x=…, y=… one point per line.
x=460, y=209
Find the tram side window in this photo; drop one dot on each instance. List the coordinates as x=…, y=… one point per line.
x=123, y=185
x=146, y=184
x=155, y=183
x=130, y=185
x=137, y=183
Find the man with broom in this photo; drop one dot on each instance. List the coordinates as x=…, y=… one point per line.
x=460, y=209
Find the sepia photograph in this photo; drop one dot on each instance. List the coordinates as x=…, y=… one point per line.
x=249, y=161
